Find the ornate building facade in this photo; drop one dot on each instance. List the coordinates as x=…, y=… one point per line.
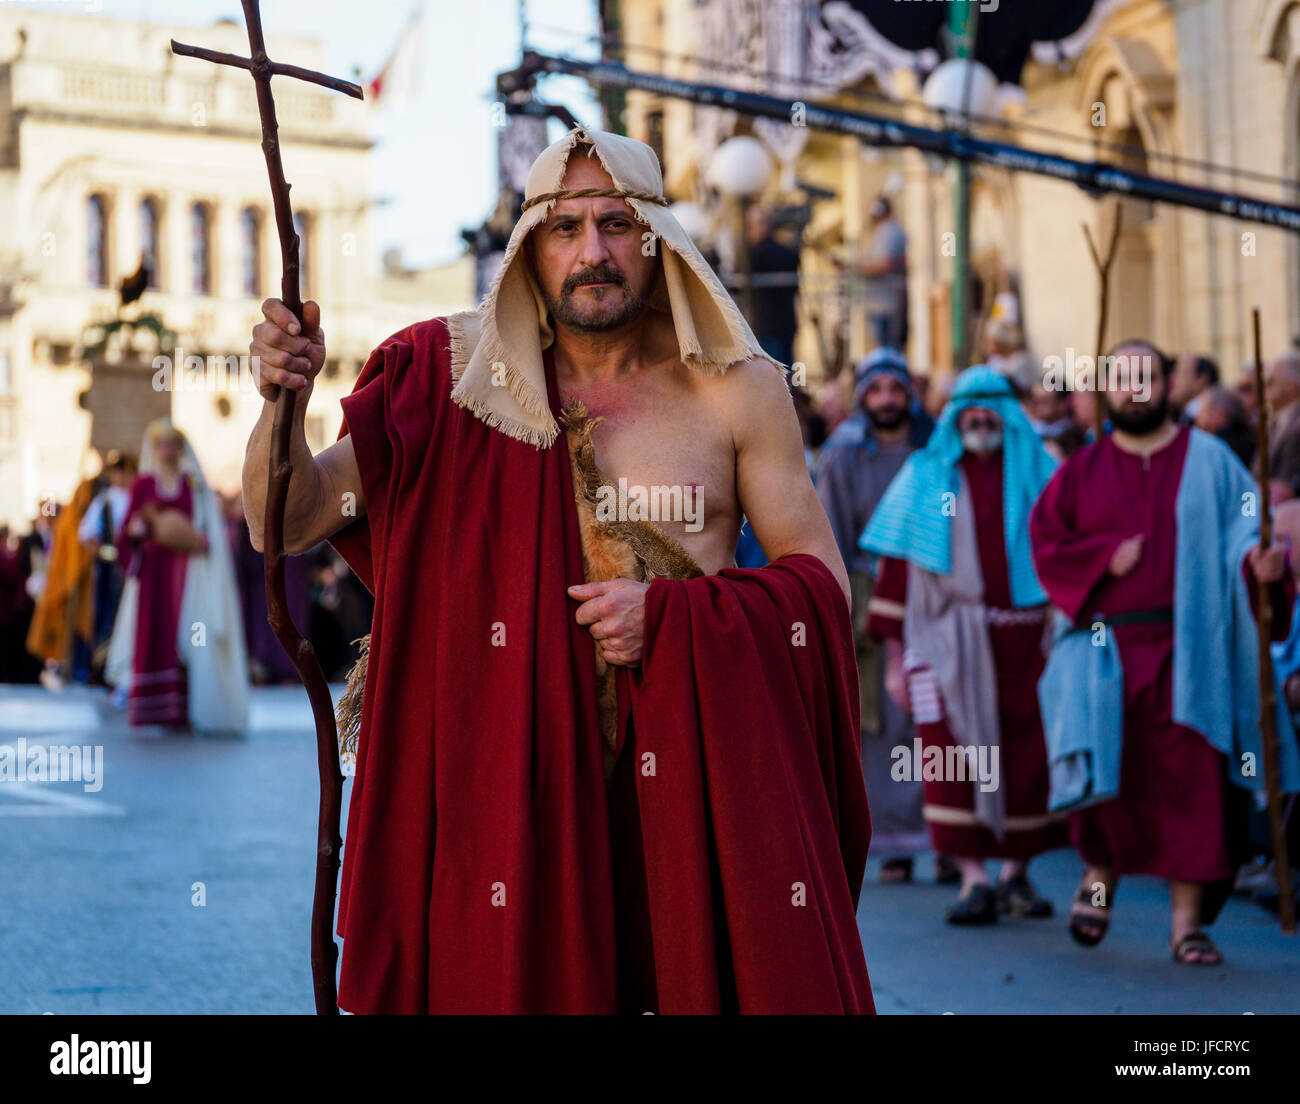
x=1162, y=86
x=113, y=152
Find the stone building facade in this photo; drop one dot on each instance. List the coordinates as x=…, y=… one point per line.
x=112, y=149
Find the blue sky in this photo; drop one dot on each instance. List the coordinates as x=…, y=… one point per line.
x=436, y=159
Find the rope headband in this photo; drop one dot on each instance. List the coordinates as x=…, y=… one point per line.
x=587, y=193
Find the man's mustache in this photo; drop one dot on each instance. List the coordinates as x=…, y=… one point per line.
x=605, y=274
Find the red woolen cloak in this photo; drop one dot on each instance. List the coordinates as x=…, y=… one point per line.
x=478, y=871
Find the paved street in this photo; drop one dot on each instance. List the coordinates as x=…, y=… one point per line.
x=96, y=889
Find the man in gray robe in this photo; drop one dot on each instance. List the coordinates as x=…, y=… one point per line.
x=857, y=463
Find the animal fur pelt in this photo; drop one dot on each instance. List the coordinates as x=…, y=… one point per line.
x=347, y=714
x=637, y=550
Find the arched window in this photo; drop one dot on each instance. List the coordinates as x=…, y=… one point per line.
x=149, y=235
x=201, y=249
x=302, y=227
x=97, y=241
x=250, y=233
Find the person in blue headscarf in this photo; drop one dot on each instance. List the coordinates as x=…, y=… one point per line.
x=857, y=464
x=963, y=618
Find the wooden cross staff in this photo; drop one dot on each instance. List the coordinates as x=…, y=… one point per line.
x=1267, y=693
x=1103, y=303
x=324, y=951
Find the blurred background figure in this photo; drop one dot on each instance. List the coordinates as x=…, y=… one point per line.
x=861, y=458
x=812, y=426
x=1244, y=389
x=936, y=393
x=884, y=270
x=61, y=633
x=267, y=660
x=832, y=403
x=1194, y=376
x=1083, y=407
x=1282, y=396
x=15, y=611
x=1004, y=343
x=1220, y=412
x=1049, y=412
x=341, y=612
x=179, y=619
x=774, y=266
x=1258, y=879
x=98, y=532
x=33, y=558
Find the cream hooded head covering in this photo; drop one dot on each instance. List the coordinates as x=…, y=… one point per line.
x=496, y=351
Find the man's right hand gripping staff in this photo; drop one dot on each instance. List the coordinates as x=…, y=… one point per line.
x=289, y=355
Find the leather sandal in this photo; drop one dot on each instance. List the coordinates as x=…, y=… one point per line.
x=895, y=871
x=978, y=905
x=1088, y=922
x=1196, y=942
x=1018, y=897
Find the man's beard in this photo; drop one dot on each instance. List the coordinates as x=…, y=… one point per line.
x=982, y=442
x=1139, y=419
x=601, y=316
x=891, y=417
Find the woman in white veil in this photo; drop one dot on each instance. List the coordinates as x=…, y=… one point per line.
x=209, y=630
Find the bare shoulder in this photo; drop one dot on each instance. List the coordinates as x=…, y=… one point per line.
x=758, y=374
x=754, y=396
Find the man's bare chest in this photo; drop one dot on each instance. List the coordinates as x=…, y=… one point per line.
x=663, y=451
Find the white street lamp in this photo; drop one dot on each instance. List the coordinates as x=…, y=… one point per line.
x=740, y=170
x=946, y=88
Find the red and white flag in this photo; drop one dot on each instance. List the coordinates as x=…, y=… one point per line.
x=394, y=86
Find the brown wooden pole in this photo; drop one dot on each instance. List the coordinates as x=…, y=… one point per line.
x=329, y=843
x=1103, y=309
x=1267, y=690
x=324, y=951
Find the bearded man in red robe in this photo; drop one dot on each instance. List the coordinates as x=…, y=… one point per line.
x=1148, y=542
x=674, y=818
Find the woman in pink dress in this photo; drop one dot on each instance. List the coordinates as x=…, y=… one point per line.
x=156, y=541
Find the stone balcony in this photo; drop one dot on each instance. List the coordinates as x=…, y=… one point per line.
x=193, y=93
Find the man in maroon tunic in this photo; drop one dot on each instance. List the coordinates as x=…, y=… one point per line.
x=1113, y=538
x=963, y=619
x=488, y=865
